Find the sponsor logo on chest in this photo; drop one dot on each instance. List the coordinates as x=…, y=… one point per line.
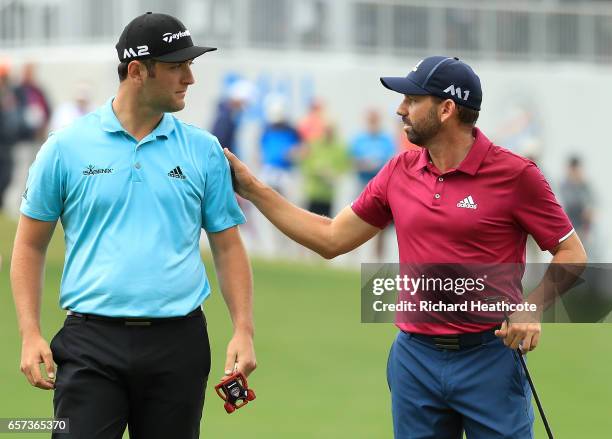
x=467, y=203
x=94, y=170
x=177, y=173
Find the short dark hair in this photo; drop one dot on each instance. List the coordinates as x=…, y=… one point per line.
x=122, y=68
x=574, y=161
x=467, y=116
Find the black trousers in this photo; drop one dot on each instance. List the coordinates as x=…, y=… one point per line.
x=148, y=377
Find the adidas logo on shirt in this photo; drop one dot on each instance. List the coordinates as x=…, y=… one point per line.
x=177, y=173
x=467, y=203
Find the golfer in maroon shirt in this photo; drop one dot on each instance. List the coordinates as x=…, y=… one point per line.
x=459, y=200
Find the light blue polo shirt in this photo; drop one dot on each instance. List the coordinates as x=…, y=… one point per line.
x=132, y=213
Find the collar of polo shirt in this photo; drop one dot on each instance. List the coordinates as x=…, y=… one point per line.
x=472, y=160
x=111, y=124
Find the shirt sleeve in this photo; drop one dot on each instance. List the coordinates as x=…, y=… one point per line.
x=537, y=210
x=372, y=205
x=43, y=198
x=220, y=208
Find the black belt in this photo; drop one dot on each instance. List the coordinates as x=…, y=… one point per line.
x=455, y=342
x=135, y=321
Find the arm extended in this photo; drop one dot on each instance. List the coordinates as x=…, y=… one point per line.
x=327, y=237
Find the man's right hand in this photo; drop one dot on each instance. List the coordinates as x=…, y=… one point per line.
x=245, y=181
x=34, y=351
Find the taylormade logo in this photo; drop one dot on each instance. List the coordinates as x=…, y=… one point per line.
x=168, y=37
x=140, y=51
x=456, y=91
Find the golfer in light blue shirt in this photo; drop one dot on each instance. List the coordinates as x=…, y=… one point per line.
x=133, y=187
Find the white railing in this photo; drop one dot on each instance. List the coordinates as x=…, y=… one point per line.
x=493, y=29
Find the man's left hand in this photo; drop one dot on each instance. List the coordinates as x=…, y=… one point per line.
x=240, y=354
x=521, y=329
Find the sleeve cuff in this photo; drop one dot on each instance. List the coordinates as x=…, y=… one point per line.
x=225, y=226
x=369, y=219
x=37, y=215
x=553, y=242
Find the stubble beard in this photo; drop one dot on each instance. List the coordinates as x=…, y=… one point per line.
x=421, y=135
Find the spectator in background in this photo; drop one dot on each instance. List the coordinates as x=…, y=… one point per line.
x=229, y=110
x=577, y=198
x=323, y=162
x=11, y=127
x=369, y=152
x=69, y=111
x=371, y=149
x=37, y=110
x=32, y=120
x=239, y=94
x=280, y=144
x=312, y=127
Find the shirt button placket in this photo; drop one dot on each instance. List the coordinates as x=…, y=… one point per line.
x=136, y=166
x=437, y=198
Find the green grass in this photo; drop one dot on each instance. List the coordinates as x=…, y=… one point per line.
x=321, y=372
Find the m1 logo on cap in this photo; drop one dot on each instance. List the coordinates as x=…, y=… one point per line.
x=456, y=91
x=415, y=68
x=168, y=37
x=142, y=51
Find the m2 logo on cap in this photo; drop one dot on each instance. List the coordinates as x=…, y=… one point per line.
x=141, y=51
x=168, y=37
x=456, y=91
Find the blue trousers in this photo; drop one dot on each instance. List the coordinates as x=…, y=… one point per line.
x=438, y=394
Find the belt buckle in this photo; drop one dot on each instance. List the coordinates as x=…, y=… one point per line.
x=448, y=343
x=137, y=323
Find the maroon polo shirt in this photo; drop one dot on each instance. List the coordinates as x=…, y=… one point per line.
x=479, y=213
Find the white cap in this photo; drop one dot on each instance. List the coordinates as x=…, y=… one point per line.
x=243, y=91
x=275, y=108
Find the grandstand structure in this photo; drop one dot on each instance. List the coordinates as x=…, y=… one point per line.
x=493, y=29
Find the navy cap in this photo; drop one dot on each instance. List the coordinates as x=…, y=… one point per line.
x=441, y=76
x=157, y=36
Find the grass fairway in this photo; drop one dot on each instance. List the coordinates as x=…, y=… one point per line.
x=321, y=372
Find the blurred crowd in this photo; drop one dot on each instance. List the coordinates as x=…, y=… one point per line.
x=25, y=113
x=26, y=118
x=303, y=156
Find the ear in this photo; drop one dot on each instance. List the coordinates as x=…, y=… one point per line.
x=447, y=109
x=136, y=71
